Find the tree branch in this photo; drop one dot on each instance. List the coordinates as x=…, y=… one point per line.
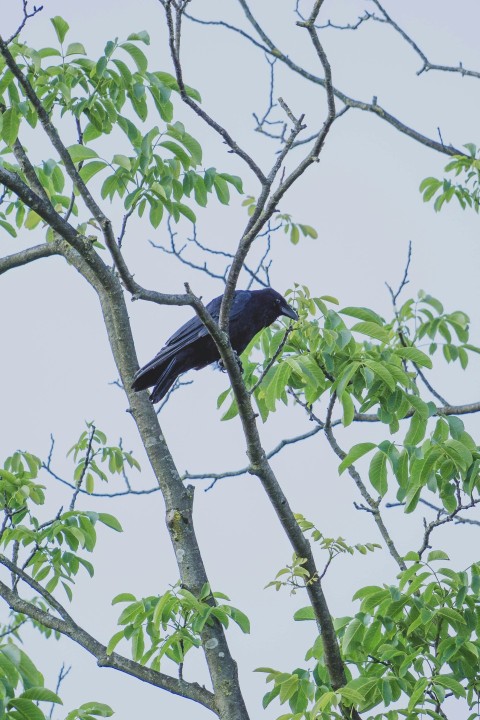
x=28, y=255
x=268, y=46
x=68, y=627
x=174, y=36
x=178, y=498
x=260, y=467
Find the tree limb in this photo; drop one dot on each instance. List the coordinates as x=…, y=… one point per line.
x=268, y=46
x=68, y=627
x=23, y=257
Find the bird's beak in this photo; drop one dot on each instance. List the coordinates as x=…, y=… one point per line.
x=288, y=311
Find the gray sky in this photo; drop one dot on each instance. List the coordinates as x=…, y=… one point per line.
x=363, y=199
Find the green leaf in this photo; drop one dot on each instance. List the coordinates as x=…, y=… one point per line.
x=123, y=597
x=193, y=147
x=9, y=228
x=91, y=169
x=459, y=453
x=372, y=330
x=362, y=313
x=305, y=613
x=450, y=683
x=416, y=431
x=232, y=179
x=81, y=152
x=110, y=521
x=113, y=642
x=348, y=409
x=75, y=48
x=32, y=220
x=378, y=473
x=231, y=412
x=61, y=27
x=294, y=234
x=437, y=555
x=353, y=634
x=88, y=709
x=41, y=693
x=417, y=693
x=415, y=355
x=308, y=231
x=10, y=127
x=381, y=372
x=123, y=161
x=418, y=405
x=274, y=384
x=27, y=710
x=187, y=212
x=356, y=452
x=221, y=188
x=456, y=426
x=141, y=36
x=137, y=56
x=178, y=152
x=241, y=619
x=345, y=377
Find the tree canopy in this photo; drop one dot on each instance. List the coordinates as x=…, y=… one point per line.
x=122, y=172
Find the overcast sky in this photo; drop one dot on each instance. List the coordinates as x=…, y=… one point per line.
x=363, y=199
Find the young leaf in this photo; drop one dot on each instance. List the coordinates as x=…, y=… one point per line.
x=356, y=452
x=373, y=330
x=378, y=473
x=61, y=27
x=415, y=355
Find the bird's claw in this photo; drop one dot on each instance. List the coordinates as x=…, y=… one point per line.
x=222, y=367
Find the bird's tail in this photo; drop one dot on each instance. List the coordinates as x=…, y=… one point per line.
x=161, y=379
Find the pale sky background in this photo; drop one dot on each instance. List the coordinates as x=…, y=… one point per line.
x=363, y=199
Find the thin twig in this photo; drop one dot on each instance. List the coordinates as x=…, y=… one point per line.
x=88, y=458
x=271, y=362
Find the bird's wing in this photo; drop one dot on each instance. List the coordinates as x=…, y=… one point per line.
x=191, y=331
x=194, y=328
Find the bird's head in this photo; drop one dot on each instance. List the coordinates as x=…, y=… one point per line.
x=279, y=305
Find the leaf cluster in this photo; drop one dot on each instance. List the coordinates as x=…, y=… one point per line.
x=96, y=459
x=325, y=355
x=412, y=645
x=171, y=624
x=154, y=168
x=52, y=547
x=467, y=194
x=21, y=686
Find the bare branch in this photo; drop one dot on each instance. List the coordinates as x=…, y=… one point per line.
x=29, y=255
x=427, y=65
x=61, y=677
x=26, y=16
x=458, y=519
x=268, y=201
x=267, y=45
x=174, y=29
x=243, y=471
x=442, y=519
x=404, y=281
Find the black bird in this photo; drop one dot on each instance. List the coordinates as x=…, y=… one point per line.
x=192, y=345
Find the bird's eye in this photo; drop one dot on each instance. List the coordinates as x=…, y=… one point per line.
x=277, y=301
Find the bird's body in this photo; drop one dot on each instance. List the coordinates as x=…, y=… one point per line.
x=192, y=347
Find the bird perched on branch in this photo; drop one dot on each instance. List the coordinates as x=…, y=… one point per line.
x=192, y=347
